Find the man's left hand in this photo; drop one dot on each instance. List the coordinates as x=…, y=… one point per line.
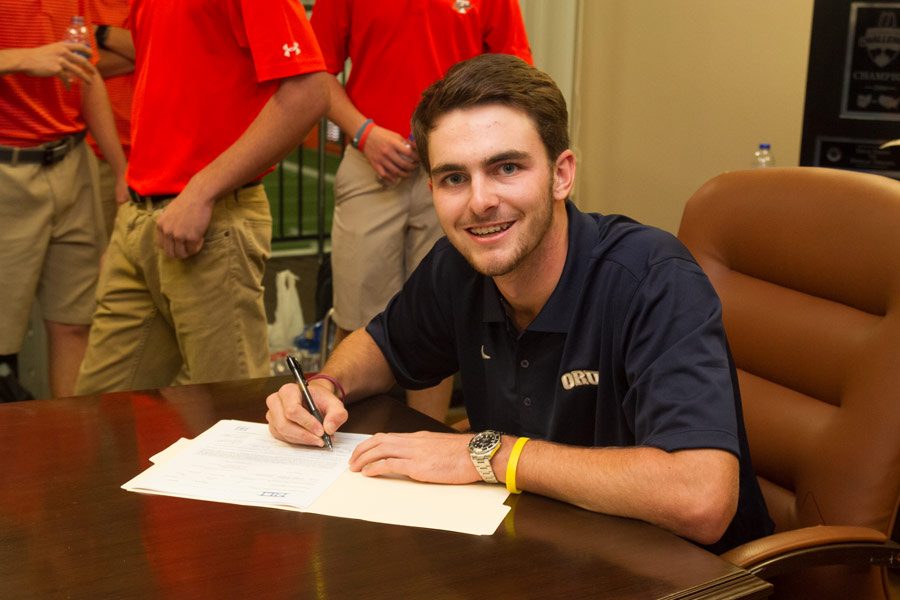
x=424, y=456
x=182, y=225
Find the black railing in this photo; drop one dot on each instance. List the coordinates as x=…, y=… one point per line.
x=302, y=198
x=283, y=232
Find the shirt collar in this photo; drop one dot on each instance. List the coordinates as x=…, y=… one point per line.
x=557, y=313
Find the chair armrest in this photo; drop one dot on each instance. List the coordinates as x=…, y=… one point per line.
x=813, y=546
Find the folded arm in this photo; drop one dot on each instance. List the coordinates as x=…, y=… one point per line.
x=117, y=53
x=112, y=64
x=119, y=40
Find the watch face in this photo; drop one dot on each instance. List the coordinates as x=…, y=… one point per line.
x=484, y=441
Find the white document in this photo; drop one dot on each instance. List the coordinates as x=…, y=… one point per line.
x=241, y=463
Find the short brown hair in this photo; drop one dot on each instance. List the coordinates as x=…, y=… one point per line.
x=495, y=79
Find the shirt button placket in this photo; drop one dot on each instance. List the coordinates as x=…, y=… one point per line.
x=524, y=380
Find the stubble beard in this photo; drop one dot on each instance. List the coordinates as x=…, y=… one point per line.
x=527, y=242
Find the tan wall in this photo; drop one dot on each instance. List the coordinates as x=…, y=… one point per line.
x=669, y=93
x=552, y=33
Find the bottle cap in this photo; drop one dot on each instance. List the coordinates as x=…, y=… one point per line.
x=764, y=146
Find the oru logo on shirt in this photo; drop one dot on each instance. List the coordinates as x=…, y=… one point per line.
x=579, y=377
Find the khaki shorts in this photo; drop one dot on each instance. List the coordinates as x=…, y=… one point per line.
x=379, y=234
x=48, y=244
x=107, y=193
x=163, y=321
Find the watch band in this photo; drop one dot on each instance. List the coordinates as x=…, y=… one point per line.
x=483, y=466
x=101, y=34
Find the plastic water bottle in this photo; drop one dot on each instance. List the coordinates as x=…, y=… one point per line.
x=763, y=157
x=78, y=33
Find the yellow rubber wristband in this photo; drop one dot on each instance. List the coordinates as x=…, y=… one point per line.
x=513, y=463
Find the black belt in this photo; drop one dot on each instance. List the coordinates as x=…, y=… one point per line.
x=157, y=198
x=47, y=154
x=152, y=198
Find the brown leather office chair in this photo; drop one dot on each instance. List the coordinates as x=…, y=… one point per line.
x=807, y=264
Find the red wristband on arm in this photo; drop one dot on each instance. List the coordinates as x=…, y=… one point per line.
x=337, y=386
x=365, y=135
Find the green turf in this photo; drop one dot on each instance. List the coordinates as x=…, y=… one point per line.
x=287, y=230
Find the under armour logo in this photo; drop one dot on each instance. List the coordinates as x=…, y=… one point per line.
x=295, y=49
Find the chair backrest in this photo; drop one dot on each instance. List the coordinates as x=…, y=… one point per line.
x=807, y=264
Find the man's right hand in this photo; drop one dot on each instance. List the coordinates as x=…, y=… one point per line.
x=290, y=422
x=60, y=59
x=392, y=156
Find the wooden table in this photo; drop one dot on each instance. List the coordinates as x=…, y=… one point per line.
x=68, y=530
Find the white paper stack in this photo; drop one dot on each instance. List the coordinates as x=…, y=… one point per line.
x=239, y=462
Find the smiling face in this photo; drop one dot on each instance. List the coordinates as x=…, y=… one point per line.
x=499, y=198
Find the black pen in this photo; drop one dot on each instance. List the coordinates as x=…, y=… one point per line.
x=294, y=366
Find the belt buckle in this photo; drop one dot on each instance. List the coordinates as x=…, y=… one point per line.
x=56, y=152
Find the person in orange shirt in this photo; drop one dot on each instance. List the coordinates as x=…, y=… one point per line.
x=50, y=95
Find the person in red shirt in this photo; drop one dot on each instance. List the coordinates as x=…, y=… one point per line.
x=223, y=90
x=384, y=222
x=116, y=64
x=49, y=240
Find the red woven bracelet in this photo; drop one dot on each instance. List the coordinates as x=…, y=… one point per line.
x=337, y=386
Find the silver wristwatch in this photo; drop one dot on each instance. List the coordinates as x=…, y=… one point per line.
x=481, y=448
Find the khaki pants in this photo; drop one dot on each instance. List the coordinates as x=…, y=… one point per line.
x=48, y=244
x=378, y=236
x=161, y=321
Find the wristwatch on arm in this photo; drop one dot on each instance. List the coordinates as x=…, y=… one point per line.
x=482, y=447
x=101, y=34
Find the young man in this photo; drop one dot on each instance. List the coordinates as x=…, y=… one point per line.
x=223, y=90
x=50, y=242
x=599, y=338
x=384, y=222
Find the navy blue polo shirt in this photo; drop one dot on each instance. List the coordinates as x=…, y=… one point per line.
x=629, y=350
